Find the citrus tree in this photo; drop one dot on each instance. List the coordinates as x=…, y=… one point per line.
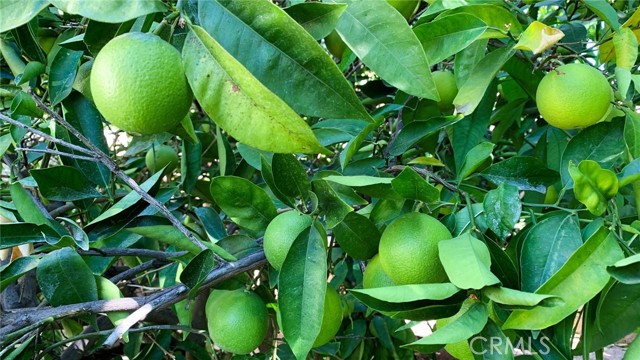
x=348, y=179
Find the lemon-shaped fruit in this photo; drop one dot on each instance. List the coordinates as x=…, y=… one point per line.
x=160, y=156
x=573, y=96
x=331, y=319
x=237, y=320
x=447, y=89
x=138, y=84
x=374, y=275
x=281, y=233
x=409, y=249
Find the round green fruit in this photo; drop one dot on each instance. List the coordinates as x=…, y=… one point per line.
x=160, y=156
x=331, y=319
x=374, y=275
x=237, y=320
x=409, y=249
x=574, y=96
x=138, y=84
x=447, y=89
x=281, y=233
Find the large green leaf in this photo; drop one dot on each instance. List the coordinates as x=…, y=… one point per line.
x=582, y=277
x=416, y=130
x=523, y=172
x=19, y=12
x=547, y=247
x=382, y=39
x=627, y=270
x=467, y=262
x=65, y=279
x=64, y=183
x=515, y=298
x=110, y=11
x=62, y=74
x=24, y=233
x=358, y=236
x=605, y=11
x=302, y=287
x=289, y=176
x=317, y=18
x=449, y=35
x=618, y=314
x=333, y=207
x=474, y=159
x=282, y=56
x=412, y=186
x=239, y=103
x=499, y=20
x=16, y=269
x=244, y=202
x=408, y=293
x=502, y=208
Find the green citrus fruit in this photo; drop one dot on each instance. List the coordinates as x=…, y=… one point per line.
x=374, y=275
x=331, y=319
x=335, y=45
x=405, y=7
x=409, y=249
x=160, y=156
x=573, y=96
x=237, y=320
x=138, y=84
x=447, y=89
x=281, y=233
x=82, y=81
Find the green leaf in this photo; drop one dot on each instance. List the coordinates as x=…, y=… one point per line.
x=467, y=262
x=226, y=159
x=167, y=234
x=466, y=60
x=28, y=209
x=523, y=172
x=239, y=103
x=62, y=73
x=359, y=180
x=499, y=20
x=412, y=186
x=633, y=351
x=64, y=183
x=110, y=11
x=472, y=90
x=632, y=133
x=197, y=270
x=474, y=159
x=289, y=176
x=538, y=37
x=317, y=18
x=108, y=291
x=407, y=293
x=358, y=236
x=302, y=287
x=627, y=270
x=581, y=278
x=547, y=247
x=618, y=314
x=605, y=12
x=469, y=323
x=267, y=175
x=24, y=233
x=23, y=104
x=19, y=12
x=600, y=142
x=592, y=185
x=244, y=202
x=417, y=130
x=626, y=46
x=16, y=268
x=502, y=208
x=332, y=206
x=382, y=39
x=495, y=344
x=449, y=35
x=211, y=222
x=275, y=48
x=65, y=279
x=515, y=298
x=190, y=165
x=354, y=144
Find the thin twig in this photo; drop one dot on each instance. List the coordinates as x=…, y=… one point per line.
x=56, y=152
x=113, y=167
x=131, y=273
x=132, y=252
x=427, y=173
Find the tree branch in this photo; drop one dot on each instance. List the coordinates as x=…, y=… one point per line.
x=132, y=252
x=131, y=273
x=59, y=153
x=14, y=321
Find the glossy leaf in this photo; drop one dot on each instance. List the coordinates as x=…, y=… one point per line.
x=538, y=37
x=275, y=48
x=190, y=165
x=334, y=208
x=617, y=315
x=289, y=176
x=447, y=36
x=627, y=270
x=495, y=344
x=16, y=269
x=502, y=208
x=592, y=185
x=396, y=56
x=467, y=262
x=167, y=234
x=239, y=103
x=626, y=46
x=632, y=134
x=211, y=222
x=317, y=18
x=65, y=279
x=64, y=183
x=23, y=104
x=19, y=12
x=244, y=202
x=523, y=172
x=546, y=248
x=408, y=293
x=197, y=270
x=515, y=298
x=267, y=175
x=110, y=11
x=605, y=11
x=302, y=287
x=600, y=143
x=358, y=236
x=416, y=130
x=499, y=20
x=474, y=159
x=62, y=74
x=25, y=233
x=412, y=186
x=108, y=291
x=582, y=277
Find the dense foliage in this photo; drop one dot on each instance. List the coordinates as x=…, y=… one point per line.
x=354, y=113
